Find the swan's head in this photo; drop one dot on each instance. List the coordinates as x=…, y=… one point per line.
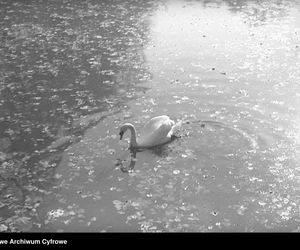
x=123, y=129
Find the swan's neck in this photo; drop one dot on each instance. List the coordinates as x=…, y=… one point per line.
x=133, y=141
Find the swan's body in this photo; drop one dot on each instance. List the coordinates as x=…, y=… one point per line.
x=157, y=131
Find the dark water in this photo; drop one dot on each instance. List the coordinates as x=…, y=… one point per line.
x=73, y=71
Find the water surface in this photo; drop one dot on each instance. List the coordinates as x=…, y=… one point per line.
x=72, y=72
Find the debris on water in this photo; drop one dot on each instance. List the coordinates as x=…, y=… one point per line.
x=176, y=171
x=3, y=228
x=174, y=81
x=214, y=213
x=111, y=151
x=149, y=195
x=243, y=92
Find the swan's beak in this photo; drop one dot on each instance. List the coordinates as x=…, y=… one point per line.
x=121, y=135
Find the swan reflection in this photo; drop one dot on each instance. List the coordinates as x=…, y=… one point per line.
x=161, y=151
x=129, y=168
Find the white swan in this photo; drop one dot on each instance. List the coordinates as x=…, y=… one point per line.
x=157, y=131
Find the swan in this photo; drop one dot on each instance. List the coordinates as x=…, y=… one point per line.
x=157, y=131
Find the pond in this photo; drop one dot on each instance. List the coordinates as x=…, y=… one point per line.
x=72, y=72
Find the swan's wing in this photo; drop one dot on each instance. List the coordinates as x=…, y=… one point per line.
x=155, y=123
x=156, y=130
